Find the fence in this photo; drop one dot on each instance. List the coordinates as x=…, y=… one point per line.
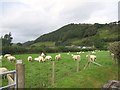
x=19, y=76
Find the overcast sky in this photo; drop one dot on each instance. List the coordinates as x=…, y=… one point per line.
x=28, y=19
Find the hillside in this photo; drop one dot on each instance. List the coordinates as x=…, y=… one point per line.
x=80, y=34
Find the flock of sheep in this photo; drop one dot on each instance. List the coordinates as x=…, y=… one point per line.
x=42, y=58
x=8, y=56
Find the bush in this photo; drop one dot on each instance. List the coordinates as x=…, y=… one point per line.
x=115, y=49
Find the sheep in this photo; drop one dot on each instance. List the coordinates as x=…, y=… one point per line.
x=11, y=58
x=40, y=58
x=91, y=57
x=10, y=79
x=93, y=52
x=79, y=52
x=75, y=57
x=58, y=57
x=112, y=55
x=1, y=56
x=37, y=59
x=48, y=58
x=83, y=52
x=7, y=55
x=68, y=53
x=2, y=70
x=29, y=58
x=42, y=54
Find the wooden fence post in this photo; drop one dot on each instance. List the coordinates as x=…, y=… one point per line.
x=20, y=72
x=53, y=73
x=77, y=65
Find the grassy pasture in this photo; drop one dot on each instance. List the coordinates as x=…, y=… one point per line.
x=38, y=75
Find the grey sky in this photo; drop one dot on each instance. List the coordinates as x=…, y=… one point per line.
x=28, y=19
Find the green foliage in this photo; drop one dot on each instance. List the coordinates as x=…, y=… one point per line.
x=7, y=40
x=85, y=34
x=115, y=49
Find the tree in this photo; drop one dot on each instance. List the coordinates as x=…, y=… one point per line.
x=115, y=49
x=7, y=39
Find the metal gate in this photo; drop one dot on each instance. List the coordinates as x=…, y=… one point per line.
x=15, y=81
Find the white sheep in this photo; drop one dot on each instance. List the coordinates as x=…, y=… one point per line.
x=91, y=57
x=113, y=57
x=68, y=53
x=93, y=52
x=40, y=58
x=112, y=54
x=7, y=55
x=83, y=52
x=75, y=57
x=2, y=70
x=58, y=57
x=48, y=58
x=10, y=79
x=29, y=58
x=1, y=56
x=11, y=58
x=42, y=54
x=37, y=59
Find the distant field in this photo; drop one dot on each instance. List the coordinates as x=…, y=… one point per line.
x=38, y=75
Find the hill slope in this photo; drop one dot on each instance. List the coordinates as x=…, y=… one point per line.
x=81, y=34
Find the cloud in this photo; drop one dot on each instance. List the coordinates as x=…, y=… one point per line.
x=28, y=19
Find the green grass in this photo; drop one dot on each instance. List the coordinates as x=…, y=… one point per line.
x=38, y=75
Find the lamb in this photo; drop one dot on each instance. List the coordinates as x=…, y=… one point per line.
x=11, y=58
x=7, y=55
x=29, y=58
x=2, y=70
x=91, y=57
x=58, y=57
x=75, y=57
x=48, y=58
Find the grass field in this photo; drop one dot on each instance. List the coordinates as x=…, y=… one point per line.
x=38, y=75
